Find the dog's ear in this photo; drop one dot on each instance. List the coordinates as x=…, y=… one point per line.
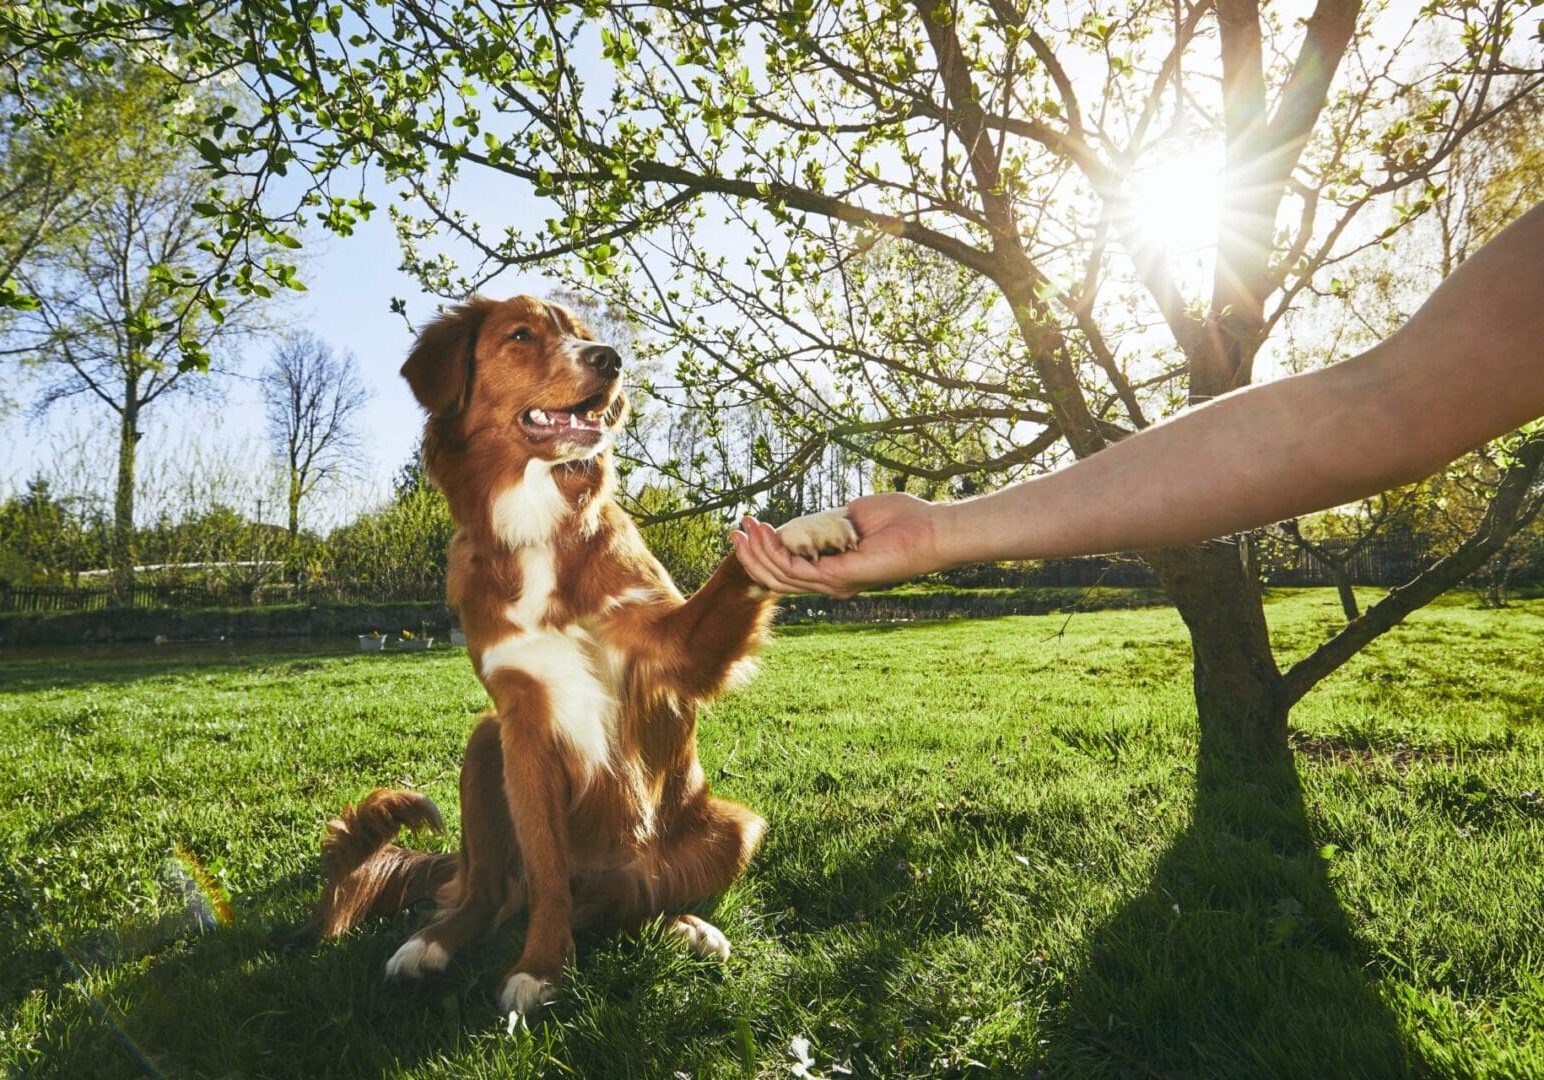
x=440, y=367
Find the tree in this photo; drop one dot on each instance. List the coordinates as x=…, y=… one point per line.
x=49, y=173
x=729, y=173
x=314, y=396
x=689, y=546
x=1492, y=177
x=117, y=310
x=46, y=539
x=396, y=552
x=1335, y=540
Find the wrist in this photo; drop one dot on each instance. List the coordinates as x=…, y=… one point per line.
x=955, y=534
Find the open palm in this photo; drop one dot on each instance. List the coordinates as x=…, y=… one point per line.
x=897, y=540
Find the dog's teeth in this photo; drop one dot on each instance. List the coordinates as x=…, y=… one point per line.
x=539, y=416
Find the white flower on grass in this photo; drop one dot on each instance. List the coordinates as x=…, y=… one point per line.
x=799, y=1048
x=804, y=1062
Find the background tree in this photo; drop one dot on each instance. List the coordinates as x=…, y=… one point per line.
x=1335, y=540
x=47, y=539
x=690, y=545
x=397, y=550
x=49, y=174
x=314, y=396
x=118, y=313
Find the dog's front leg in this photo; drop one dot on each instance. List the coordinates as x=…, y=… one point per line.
x=536, y=784
x=696, y=645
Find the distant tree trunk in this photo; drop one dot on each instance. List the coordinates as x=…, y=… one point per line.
x=121, y=563
x=1348, y=602
x=296, y=490
x=1337, y=566
x=1339, y=574
x=1238, y=687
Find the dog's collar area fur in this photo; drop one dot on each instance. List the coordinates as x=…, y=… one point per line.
x=530, y=511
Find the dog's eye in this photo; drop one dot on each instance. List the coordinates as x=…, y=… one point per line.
x=522, y=334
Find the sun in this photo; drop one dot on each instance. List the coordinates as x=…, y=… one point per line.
x=1176, y=201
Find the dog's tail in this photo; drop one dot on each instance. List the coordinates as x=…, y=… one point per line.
x=364, y=873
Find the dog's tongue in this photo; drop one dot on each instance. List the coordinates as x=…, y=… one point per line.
x=561, y=418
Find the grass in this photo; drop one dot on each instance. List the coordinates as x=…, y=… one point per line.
x=996, y=847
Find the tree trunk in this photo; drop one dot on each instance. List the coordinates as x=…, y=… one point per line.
x=1348, y=602
x=294, y=504
x=121, y=560
x=1239, y=692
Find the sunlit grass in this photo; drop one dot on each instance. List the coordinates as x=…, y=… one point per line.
x=987, y=855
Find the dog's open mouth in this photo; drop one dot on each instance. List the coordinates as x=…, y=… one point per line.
x=585, y=422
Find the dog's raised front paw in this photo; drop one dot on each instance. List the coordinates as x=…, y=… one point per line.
x=826, y=533
x=700, y=937
x=416, y=958
x=523, y=995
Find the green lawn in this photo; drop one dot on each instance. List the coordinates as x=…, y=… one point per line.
x=995, y=847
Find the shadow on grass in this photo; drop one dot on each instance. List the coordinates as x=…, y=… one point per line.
x=262, y=998
x=251, y=999
x=26, y=676
x=1238, y=959
x=183, y=995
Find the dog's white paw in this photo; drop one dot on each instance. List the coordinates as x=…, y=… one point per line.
x=417, y=958
x=522, y=995
x=826, y=533
x=701, y=938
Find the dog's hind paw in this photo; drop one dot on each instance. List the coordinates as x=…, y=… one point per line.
x=700, y=937
x=827, y=533
x=417, y=958
x=523, y=995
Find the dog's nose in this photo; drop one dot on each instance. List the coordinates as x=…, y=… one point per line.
x=604, y=359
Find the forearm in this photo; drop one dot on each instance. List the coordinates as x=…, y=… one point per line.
x=1249, y=458
x=1467, y=367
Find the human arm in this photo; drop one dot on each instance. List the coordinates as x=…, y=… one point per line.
x=1467, y=367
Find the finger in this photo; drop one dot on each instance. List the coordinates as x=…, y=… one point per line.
x=793, y=572
x=772, y=548
x=759, y=567
x=751, y=560
x=768, y=555
x=824, y=577
x=771, y=560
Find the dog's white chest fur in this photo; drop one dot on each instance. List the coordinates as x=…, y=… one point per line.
x=581, y=686
x=528, y=513
x=581, y=704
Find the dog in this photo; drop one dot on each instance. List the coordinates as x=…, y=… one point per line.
x=582, y=799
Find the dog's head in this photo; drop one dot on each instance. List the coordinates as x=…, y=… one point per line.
x=522, y=375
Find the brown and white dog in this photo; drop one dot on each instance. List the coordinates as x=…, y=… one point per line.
x=582, y=800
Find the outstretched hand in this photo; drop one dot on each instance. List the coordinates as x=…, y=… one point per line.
x=898, y=539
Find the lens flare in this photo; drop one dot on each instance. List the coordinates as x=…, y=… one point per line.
x=207, y=901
